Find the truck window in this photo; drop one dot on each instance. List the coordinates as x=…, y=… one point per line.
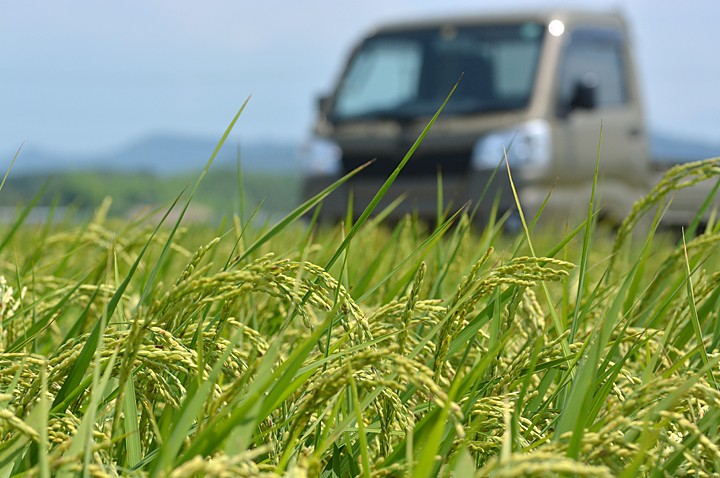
x=382, y=76
x=594, y=56
x=406, y=74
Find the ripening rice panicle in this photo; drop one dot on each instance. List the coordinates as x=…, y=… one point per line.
x=10, y=324
x=523, y=272
x=676, y=178
x=540, y=463
x=410, y=306
x=702, y=246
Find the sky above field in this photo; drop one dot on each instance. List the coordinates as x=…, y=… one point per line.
x=89, y=76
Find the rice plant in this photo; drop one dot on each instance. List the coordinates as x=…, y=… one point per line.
x=129, y=348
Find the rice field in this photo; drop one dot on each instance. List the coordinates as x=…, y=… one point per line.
x=138, y=348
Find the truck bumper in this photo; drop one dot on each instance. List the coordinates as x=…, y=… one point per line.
x=479, y=191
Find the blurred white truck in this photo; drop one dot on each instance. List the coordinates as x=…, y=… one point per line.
x=539, y=85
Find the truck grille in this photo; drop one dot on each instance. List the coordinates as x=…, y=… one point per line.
x=419, y=165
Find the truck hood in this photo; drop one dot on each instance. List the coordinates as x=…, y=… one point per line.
x=375, y=136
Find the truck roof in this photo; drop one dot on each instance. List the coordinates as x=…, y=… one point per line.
x=569, y=17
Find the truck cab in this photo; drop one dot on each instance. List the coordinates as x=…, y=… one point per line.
x=536, y=87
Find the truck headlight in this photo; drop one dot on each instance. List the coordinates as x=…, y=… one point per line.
x=528, y=143
x=321, y=156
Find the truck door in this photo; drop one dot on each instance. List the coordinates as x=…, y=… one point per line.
x=597, y=87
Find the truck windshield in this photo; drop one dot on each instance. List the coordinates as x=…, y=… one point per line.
x=409, y=73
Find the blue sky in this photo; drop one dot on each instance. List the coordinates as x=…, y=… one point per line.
x=89, y=76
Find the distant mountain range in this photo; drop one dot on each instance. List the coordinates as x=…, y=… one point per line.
x=171, y=154
x=161, y=155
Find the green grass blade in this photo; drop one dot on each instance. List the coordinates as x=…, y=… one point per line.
x=362, y=437
x=42, y=323
x=439, y=210
x=425, y=245
x=83, y=439
x=190, y=410
x=269, y=384
x=584, y=256
x=12, y=163
x=168, y=243
x=559, y=326
x=21, y=218
x=292, y=216
x=704, y=207
x=131, y=426
x=694, y=319
x=388, y=182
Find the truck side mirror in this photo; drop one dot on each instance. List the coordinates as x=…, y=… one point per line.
x=323, y=104
x=584, y=94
